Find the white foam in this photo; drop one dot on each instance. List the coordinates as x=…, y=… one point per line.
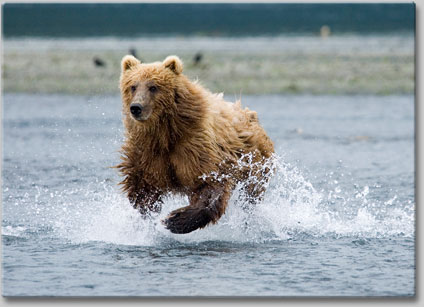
x=15, y=231
x=291, y=206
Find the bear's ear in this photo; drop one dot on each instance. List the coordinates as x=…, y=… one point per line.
x=128, y=61
x=174, y=63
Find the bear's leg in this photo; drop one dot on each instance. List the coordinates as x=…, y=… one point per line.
x=250, y=195
x=254, y=193
x=146, y=203
x=146, y=199
x=256, y=185
x=207, y=205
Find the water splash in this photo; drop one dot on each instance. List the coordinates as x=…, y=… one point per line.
x=291, y=210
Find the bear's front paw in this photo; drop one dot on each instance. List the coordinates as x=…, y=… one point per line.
x=185, y=220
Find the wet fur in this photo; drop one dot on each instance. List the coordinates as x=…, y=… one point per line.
x=189, y=134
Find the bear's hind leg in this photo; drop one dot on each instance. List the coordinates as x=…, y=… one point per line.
x=253, y=189
x=207, y=205
x=250, y=196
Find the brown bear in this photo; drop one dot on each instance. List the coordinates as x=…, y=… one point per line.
x=181, y=138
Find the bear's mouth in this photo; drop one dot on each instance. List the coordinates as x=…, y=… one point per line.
x=141, y=118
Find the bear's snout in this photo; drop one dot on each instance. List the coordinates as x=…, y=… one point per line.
x=136, y=109
x=140, y=112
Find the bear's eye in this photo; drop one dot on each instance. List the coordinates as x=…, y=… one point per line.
x=153, y=89
x=133, y=88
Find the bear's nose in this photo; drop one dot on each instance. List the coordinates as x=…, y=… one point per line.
x=136, y=109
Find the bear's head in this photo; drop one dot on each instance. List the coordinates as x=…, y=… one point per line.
x=148, y=90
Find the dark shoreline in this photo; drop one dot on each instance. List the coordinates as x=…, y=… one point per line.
x=214, y=19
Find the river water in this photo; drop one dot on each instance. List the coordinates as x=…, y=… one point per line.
x=338, y=218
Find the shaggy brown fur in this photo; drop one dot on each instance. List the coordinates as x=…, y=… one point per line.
x=177, y=135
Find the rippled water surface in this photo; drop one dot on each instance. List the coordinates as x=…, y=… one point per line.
x=337, y=220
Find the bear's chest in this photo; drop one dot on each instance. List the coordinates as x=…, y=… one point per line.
x=161, y=173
